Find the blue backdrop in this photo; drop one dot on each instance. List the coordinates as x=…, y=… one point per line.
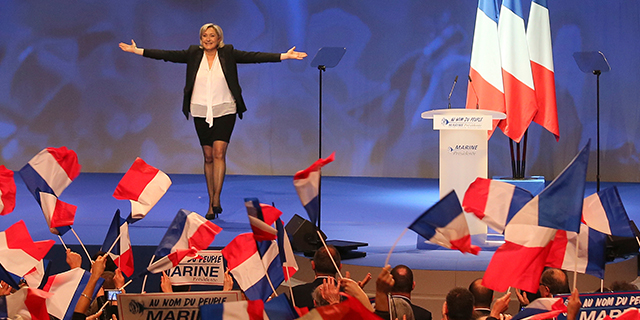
x=64, y=81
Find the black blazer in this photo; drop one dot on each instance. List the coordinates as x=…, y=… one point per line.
x=229, y=58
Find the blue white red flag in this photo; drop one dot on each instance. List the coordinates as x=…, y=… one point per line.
x=486, y=90
x=26, y=303
x=46, y=175
x=542, y=308
x=519, y=90
x=262, y=217
x=188, y=230
x=67, y=288
x=236, y=310
x=171, y=260
x=519, y=262
x=38, y=276
x=7, y=191
x=255, y=266
x=143, y=185
x=307, y=184
x=121, y=254
x=541, y=54
x=494, y=202
x=289, y=264
x=280, y=308
x=604, y=212
x=18, y=252
x=445, y=224
x=589, y=259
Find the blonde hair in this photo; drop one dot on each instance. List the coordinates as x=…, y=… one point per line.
x=218, y=31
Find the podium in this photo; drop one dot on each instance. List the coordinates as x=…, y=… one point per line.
x=463, y=155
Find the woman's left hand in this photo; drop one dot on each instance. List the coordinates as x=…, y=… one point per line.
x=292, y=54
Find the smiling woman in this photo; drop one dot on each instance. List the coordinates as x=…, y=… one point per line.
x=212, y=95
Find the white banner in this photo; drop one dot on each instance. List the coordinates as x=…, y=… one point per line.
x=462, y=122
x=176, y=305
x=207, y=271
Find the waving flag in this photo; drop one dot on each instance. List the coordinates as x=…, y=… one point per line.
x=542, y=308
x=494, y=202
x=261, y=218
x=604, y=212
x=18, y=253
x=519, y=92
x=26, y=303
x=289, y=264
x=520, y=260
x=143, y=185
x=307, y=184
x=121, y=254
x=46, y=175
x=590, y=258
x=171, y=260
x=247, y=261
x=38, y=276
x=7, y=191
x=188, y=230
x=445, y=224
x=486, y=90
x=67, y=288
x=235, y=310
x=541, y=54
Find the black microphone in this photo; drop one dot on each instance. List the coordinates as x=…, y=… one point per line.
x=474, y=92
x=452, y=87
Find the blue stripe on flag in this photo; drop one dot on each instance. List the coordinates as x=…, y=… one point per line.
x=515, y=6
x=173, y=234
x=597, y=245
x=312, y=210
x=280, y=308
x=211, y=311
x=616, y=214
x=490, y=9
x=34, y=182
x=542, y=3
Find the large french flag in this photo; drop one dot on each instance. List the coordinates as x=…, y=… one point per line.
x=26, y=303
x=307, y=184
x=67, y=288
x=188, y=230
x=46, y=176
x=19, y=254
x=235, y=310
x=590, y=256
x=519, y=90
x=519, y=262
x=247, y=260
x=494, y=202
x=486, y=90
x=289, y=264
x=121, y=253
x=445, y=224
x=7, y=191
x=143, y=185
x=541, y=54
x=262, y=217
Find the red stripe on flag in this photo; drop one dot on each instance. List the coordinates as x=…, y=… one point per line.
x=7, y=191
x=476, y=196
x=303, y=174
x=63, y=215
x=241, y=248
x=135, y=180
x=18, y=238
x=558, y=250
x=67, y=159
x=517, y=266
x=204, y=235
x=464, y=245
x=545, y=84
x=36, y=303
x=520, y=103
x=255, y=309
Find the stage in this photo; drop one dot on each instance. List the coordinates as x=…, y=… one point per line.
x=371, y=210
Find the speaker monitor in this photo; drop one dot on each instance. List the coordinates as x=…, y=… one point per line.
x=302, y=234
x=622, y=247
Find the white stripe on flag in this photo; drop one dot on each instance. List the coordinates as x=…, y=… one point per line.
x=307, y=188
x=498, y=204
x=51, y=171
x=515, y=55
x=594, y=215
x=150, y=195
x=63, y=288
x=537, y=32
x=485, y=58
x=16, y=261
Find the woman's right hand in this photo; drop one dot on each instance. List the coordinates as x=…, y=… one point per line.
x=133, y=48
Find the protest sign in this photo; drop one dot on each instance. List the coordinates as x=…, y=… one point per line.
x=170, y=306
x=595, y=306
x=208, y=270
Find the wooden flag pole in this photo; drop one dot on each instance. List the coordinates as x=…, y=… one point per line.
x=82, y=244
x=386, y=262
x=329, y=253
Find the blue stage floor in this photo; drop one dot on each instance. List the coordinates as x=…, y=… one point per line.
x=371, y=210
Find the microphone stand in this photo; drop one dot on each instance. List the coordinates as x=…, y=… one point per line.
x=452, y=87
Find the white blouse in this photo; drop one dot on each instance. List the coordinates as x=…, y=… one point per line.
x=211, y=96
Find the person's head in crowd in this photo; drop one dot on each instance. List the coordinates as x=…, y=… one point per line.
x=482, y=296
x=400, y=309
x=318, y=299
x=403, y=280
x=553, y=282
x=458, y=305
x=322, y=264
x=618, y=286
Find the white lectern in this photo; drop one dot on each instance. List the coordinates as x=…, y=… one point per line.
x=463, y=152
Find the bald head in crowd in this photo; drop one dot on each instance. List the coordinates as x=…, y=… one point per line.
x=553, y=282
x=482, y=295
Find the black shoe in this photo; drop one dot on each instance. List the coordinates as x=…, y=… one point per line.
x=214, y=215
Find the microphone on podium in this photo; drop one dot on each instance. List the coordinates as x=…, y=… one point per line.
x=452, y=87
x=474, y=92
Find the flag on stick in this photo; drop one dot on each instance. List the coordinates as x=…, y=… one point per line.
x=121, y=254
x=261, y=218
x=307, y=184
x=18, y=252
x=143, y=185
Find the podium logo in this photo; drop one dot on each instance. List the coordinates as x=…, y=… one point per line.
x=463, y=149
x=444, y=121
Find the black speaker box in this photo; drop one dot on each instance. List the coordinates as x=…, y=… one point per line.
x=622, y=247
x=302, y=234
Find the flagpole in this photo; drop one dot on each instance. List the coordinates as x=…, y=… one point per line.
x=144, y=282
x=126, y=284
x=386, y=262
x=575, y=267
x=82, y=244
x=114, y=244
x=293, y=300
x=63, y=244
x=329, y=253
x=266, y=273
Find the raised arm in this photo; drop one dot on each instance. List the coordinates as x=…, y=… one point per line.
x=292, y=54
x=133, y=48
